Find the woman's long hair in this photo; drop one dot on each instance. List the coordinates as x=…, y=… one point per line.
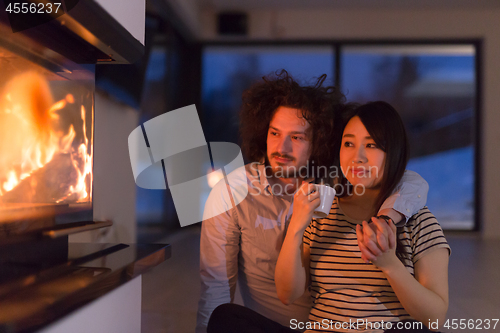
x=386, y=128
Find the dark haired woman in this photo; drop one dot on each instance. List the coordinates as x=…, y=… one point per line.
x=366, y=276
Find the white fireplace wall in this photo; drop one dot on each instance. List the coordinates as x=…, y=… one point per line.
x=131, y=14
x=114, y=193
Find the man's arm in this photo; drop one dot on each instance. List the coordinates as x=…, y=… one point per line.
x=408, y=198
x=219, y=247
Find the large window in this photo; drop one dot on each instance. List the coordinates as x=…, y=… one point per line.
x=432, y=86
x=151, y=204
x=229, y=70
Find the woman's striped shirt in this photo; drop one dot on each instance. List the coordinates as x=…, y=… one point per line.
x=344, y=288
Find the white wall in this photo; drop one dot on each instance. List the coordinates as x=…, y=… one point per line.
x=398, y=23
x=117, y=311
x=114, y=192
x=131, y=14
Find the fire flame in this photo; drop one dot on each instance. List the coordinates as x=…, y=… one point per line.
x=31, y=136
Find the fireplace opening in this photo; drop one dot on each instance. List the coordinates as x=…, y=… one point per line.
x=46, y=143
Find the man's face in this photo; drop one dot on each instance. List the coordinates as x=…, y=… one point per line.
x=288, y=143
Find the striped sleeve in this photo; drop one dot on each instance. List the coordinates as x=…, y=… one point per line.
x=426, y=235
x=307, y=234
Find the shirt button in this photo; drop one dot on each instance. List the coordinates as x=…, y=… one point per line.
x=407, y=210
x=419, y=195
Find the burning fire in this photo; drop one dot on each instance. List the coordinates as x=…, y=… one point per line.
x=36, y=144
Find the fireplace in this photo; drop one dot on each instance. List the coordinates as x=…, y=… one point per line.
x=47, y=125
x=47, y=87
x=47, y=91
x=46, y=140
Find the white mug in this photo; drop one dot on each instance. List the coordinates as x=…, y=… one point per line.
x=326, y=195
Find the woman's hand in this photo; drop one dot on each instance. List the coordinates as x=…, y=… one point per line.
x=377, y=243
x=305, y=201
x=291, y=275
x=423, y=295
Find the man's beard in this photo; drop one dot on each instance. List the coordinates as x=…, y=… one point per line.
x=283, y=171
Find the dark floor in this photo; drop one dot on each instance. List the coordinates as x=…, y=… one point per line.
x=171, y=290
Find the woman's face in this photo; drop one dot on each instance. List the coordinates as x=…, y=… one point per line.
x=361, y=160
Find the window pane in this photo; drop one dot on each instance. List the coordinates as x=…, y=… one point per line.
x=228, y=71
x=151, y=206
x=433, y=88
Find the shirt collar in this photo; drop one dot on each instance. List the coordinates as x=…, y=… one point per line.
x=263, y=178
x=264, y=181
